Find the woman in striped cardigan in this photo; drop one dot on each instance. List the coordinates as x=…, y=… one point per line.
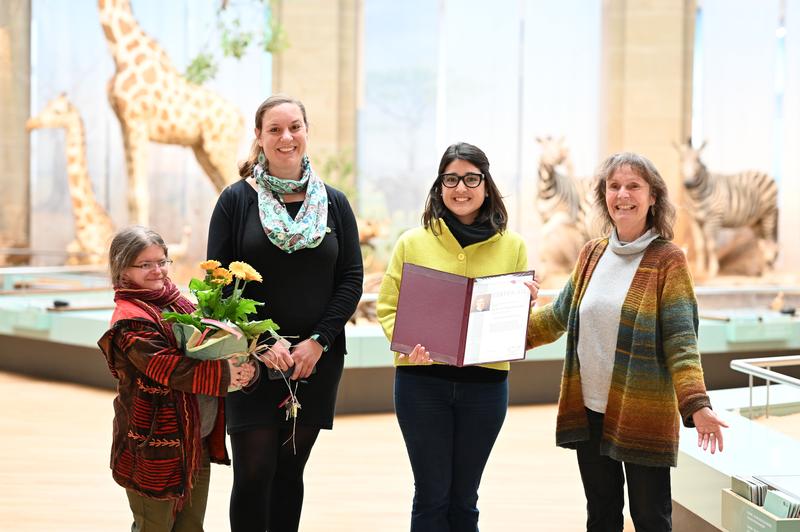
x=168, y=421
x=632, y=368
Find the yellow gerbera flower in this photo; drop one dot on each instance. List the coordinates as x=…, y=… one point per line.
x=242, y=270
x=223, y=274
x=210, y=265
x=253, y=275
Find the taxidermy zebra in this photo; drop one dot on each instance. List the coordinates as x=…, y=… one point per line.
x=559, y=192
x=565, y=207
x=745, y=199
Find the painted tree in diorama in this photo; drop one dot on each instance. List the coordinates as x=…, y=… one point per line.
x=237, y=37
x=155, y=102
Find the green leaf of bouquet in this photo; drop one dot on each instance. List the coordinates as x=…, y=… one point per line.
x=219, y=312
x=253, y=328
x=207, y=301
x=227, y=309
x=172, y=316
x=245, y=307
x=188, y=319
x=196, y=285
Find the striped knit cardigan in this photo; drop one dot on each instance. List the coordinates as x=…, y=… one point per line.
x=657, y=372
x=156, y=448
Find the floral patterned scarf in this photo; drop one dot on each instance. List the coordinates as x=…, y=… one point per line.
x=310, y=226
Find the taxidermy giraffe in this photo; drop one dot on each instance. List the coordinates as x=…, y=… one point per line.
x=93, y=226
x=154, y=102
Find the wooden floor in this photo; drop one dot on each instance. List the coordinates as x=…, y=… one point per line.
x=54, y=470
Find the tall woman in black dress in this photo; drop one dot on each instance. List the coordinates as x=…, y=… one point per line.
x=301, y=235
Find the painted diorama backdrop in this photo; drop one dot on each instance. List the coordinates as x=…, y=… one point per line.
x=71, y=55
x=430, y=73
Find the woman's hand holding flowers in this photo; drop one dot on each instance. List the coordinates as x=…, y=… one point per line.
x=306, y=354
x=277, y=357
x=242, y=374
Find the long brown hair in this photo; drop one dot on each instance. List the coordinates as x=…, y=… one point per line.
x=492, y=209
x=246, y=168
x=661, y=217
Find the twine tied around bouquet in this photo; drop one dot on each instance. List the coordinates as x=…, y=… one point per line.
x=290, y=402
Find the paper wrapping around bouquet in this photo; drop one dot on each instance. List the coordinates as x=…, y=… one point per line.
x=220, y=345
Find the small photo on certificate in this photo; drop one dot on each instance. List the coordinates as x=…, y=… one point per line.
x=481, y=303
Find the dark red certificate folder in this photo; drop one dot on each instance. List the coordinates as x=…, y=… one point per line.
x=433, y=309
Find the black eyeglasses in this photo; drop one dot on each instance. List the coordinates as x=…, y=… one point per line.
x=470, y=180
x=152, y=265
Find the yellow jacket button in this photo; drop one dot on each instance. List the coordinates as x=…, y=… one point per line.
x=461, y=256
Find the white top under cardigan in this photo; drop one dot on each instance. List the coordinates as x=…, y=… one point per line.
x=600, y=313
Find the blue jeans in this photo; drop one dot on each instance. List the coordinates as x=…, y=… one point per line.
x=449, y=429
x=649, y=490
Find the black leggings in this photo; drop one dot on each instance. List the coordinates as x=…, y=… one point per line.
x=267, y=490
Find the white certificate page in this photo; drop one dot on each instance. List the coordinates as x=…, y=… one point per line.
x=498, y=319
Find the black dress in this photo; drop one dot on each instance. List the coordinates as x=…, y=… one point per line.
x=305, y=292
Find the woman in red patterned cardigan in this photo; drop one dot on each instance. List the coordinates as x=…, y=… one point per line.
x=169, y=423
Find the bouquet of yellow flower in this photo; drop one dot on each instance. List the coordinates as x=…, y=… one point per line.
x=220, y=327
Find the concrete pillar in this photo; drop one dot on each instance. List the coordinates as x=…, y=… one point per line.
x=15, y=52
x=320, y=67
x=646, y=84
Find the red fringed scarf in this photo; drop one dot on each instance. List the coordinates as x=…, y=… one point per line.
x=153, y=302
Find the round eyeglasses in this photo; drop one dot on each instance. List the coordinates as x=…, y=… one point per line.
x=148, y=266
x=471, y=180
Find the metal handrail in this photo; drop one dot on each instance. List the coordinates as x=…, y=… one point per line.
x=762, y=368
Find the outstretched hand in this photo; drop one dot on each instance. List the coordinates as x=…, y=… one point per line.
x=709, y=429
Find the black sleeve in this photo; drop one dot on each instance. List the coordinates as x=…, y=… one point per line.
x=349, y=277
x=221, y=229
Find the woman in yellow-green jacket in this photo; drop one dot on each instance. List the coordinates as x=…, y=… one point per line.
x=449, y=416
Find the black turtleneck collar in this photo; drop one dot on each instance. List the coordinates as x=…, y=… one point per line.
x=466, y=235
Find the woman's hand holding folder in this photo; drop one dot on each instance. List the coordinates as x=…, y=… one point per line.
x=419, y=355
x=533, y=286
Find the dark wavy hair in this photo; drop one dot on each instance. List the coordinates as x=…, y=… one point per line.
x=662, y=216
x=246, y=168
x=493, y=210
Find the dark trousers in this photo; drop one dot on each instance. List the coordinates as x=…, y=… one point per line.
x=649, y=491
x=449, y=429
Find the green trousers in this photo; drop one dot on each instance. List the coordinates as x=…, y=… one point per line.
x=150, y=515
